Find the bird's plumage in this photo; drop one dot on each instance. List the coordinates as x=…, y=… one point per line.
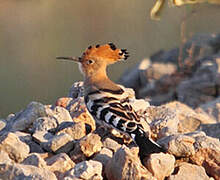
x=107, y=101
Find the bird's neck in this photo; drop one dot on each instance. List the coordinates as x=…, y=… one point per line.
x=99, y=81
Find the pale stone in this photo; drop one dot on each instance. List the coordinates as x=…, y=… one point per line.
x=26, y=118
x=79, y=113
x=60, y=114
x=179, y=145
x=126, y=164
x=44, y=124
x=42, y=136
x=59, y=164
x=61, y=143
x=4, y=158
x=189, y=120
x=2, y=124
x=14, y=147
x=90, y=144
x=63, y=101
x=76, y=130
x=139, y=104
x=189, y=171
x=27, y=138
x=160, y=165
x=163, y=121
x=86, y=170
x=21, y=171
x=10, y=117
x=46, y=155
x=203, y=141
x=111, y=144
x=209, y=159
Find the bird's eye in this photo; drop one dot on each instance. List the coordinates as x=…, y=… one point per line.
x=90, y=61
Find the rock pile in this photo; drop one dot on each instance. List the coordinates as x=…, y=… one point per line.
x=62, y=141
x=190, y=74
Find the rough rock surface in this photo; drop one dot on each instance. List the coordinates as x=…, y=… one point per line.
x=189, y=171
x=14, y=147
x=79, y=113
x=59, y=113
x=75, y=130
x=189, y=120
x=179, y=145
x=63, y=101
x=111, y=144
x=44, y=124
x=20, y=171
x=125, y=164
x=160, y=165
x=86, y=147
x=90, y=144
x=185, y=145
x=4, y=157
x=59, y=144
x=163, y=121
x=209, y=159
x=42, y=136
x=24, y=119
x=86, y=170
x=203, y=141
x=59, y=164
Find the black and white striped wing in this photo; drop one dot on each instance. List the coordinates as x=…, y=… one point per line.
x=117, y=112
x=113, y=109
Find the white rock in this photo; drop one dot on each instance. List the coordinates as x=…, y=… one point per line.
x=86, y=170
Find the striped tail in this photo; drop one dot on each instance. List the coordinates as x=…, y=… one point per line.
x=146, y=145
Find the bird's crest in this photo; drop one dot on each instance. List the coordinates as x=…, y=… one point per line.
x=106, y=52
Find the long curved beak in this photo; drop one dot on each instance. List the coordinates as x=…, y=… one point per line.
x=76, y=59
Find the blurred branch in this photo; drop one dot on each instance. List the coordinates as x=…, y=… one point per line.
x=156, y=10
x=183, y=2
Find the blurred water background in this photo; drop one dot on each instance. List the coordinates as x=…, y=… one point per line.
x=33, y=33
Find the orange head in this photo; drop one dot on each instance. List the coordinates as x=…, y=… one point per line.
x=95, y=59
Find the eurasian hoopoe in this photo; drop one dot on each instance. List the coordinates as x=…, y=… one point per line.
x=107, y=101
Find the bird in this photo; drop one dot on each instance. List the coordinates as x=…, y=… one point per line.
x=107, y=101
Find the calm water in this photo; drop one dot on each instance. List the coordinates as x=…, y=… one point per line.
x=33, y=33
